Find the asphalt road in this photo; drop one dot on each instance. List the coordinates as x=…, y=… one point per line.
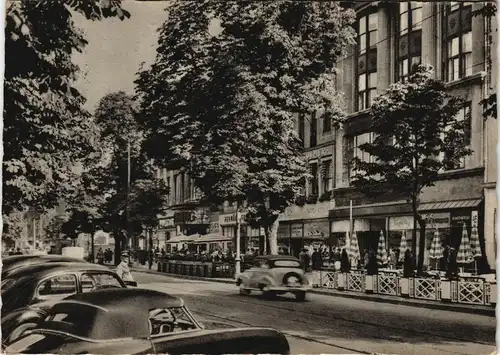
x=335, y=325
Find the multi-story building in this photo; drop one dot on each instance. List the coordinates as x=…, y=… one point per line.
x=391, y=38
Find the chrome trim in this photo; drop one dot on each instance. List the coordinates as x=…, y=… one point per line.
x=96, y=341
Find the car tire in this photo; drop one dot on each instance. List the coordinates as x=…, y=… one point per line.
x=19, y=331
x=244, y=291
x=300, y=296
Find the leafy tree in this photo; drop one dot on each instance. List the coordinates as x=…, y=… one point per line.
x=46, y=131
x=13, y=227
x=420, y=119
x=218, y=100
x=126, y=206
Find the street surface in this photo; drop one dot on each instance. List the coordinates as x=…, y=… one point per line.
x=334, y=325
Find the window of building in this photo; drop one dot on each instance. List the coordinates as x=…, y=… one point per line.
x=169, y=193
x=313, y=182
x=327, y=124
x=313, y=141
x=326, y=175
x=458, y=40
x=352, y=149
x=410, y=37
x=464, y=115
x=175, y=189
x=302, y=127
x=367, y=61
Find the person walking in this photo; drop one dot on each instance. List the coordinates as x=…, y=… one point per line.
x=317, y=264
x=150, y=258
x=345, y=264
x=100, y=257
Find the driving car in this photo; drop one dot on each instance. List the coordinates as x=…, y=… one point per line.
x=274, y=275
x=29, y=291
x=11, y=263
x=137, y=321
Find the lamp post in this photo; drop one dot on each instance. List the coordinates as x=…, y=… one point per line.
x=267, y=204
x=238, y=241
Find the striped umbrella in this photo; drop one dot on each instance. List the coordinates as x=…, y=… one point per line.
x=436, y=251
x=403, y=247
x=348, y=244
x=354, y=247
x=474, y=243
x=464, y=255
x=381, y=250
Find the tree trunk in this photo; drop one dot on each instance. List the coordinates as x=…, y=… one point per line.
x=272, y=237
x=421, y=244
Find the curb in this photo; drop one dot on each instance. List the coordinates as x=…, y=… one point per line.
x=481, y=310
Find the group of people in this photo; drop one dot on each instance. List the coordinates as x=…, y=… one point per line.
x=105, y=256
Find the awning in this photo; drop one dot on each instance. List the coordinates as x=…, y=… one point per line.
x=183, y=239
x=401, y=208
x=212, y=238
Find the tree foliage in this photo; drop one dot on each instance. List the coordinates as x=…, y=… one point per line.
x=13, y=227
x=219, y=99
x=417, y=135
x=46, y=130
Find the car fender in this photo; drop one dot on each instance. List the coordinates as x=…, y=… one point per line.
x=267, y=280
x=20, y=316
x=244, y=277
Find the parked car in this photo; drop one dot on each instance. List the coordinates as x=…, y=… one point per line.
x=30, y=291
x=11, y=263
x=138, y=321
x=274, y=275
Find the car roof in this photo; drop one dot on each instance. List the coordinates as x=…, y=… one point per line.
x=41, y=270
x=276, y=257
x=112, y=313
x=9, y=265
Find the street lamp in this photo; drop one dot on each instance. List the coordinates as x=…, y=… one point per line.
x=267, y=204
x=238, y=242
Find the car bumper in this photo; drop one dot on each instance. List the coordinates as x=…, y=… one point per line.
x=287, y=288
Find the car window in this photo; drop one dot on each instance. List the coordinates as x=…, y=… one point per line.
x=99, y=280
x=57, y=285
x=286, y=263
x=36, y=344
x=170, y=320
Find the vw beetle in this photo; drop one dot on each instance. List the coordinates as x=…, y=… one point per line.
x=274, y=275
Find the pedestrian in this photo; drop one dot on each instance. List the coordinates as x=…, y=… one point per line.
x=302, y=259
x=452, y=272
x=372, y=267
x=150, y=258
x=391, y=259
x=100, y=257
x=345, y=264
x=366, y=257
x=123, y=269
x=317, y=264
x=408, y=264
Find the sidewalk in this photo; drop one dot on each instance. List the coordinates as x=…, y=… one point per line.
x=463, y=308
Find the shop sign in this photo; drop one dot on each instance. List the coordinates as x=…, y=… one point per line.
x=458, y=218
x=319, y=153
x=400, y=223
x=230, y=218
x=437, y=220
x=297, y=230
x=316, y=229
x=166, y=222
x=283, y=231
x=319, y=210
x=214, y=227
x=255, y=232
x=475, y=219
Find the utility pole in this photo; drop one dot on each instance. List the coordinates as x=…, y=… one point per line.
x=128, y=198
x=238, y=242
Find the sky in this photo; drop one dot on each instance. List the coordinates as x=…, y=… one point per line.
x=116, y=49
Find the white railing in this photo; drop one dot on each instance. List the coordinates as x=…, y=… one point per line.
x=329, y=279
x=356, y=281
x=387, y=284
x=425, y=289
x=471, y=291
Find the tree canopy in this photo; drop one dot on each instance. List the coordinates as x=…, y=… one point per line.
x=418, y=134
x=220, y=98
x=46, y=130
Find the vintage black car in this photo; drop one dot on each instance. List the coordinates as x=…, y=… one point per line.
x=138, y=321
x=11, y=263
x=29, y=291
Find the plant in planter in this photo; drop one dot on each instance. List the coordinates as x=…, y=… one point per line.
x=300, y=200
x=325, y=196
x=311, y=199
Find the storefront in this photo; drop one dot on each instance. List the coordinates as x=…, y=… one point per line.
x=193, y=221
x=227, y=225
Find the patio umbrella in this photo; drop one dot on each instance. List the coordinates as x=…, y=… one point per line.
x=347, y=243
x=474, y=246
x=436, y=251
x=403, y=247
x=354, y=248
x=464, y=255
x=381, y=250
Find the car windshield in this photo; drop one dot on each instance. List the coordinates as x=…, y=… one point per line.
x=170, y=320
x=286, y=263
x=96, y=280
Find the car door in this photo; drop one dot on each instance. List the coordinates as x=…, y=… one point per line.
x=260, y=271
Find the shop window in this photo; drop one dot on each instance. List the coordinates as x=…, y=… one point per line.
x=458, y=40
x=366, y=83
x=464, y=116
x=410, y=38
x=313, y=137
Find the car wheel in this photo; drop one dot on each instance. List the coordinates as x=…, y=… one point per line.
x=244, y=291
x=300, y=296
x=19, y=331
